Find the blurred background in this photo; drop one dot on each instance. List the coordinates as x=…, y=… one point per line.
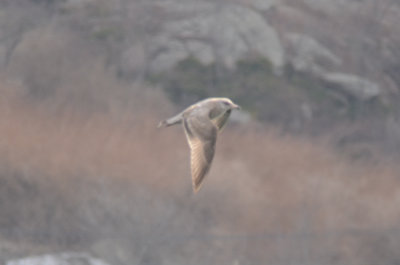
x=306, y=173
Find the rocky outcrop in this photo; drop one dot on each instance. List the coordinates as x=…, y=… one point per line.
x=308, y=55
x=227, y=31
x=338, y=6
x=262, y=5
x=353, y=85
x=59, y=259
x=212, y=32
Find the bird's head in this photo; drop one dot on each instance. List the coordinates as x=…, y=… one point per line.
x=228, y=104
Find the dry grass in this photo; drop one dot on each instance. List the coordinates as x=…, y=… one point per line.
x=75, y=178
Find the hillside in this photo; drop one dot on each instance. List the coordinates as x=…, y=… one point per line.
x=309, y=67
x=307, y=175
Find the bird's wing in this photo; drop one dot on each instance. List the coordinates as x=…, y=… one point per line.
x=201, y=134
x=220, y=121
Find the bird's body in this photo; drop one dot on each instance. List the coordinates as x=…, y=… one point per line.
x=202, y=122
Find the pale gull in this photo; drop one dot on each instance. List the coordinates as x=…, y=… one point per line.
x=202, y=122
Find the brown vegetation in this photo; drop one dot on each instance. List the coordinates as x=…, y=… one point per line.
x=80, y=179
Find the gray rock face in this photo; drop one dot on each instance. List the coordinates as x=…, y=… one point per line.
x=211, y=33
x=262, y=5
x=334, y=6
x=356, y=86
x=58, y=259
x=309, y=55
x=75, y=4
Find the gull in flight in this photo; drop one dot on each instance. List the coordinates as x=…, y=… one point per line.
x=202, y=122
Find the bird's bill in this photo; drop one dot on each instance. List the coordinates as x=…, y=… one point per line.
x=234, y=106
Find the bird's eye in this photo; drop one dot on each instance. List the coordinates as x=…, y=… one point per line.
x=226, y=103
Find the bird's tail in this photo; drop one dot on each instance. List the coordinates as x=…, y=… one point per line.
x=171, y=121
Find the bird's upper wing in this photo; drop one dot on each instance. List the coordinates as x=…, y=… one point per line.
x=220, y=121
x=201, y=134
